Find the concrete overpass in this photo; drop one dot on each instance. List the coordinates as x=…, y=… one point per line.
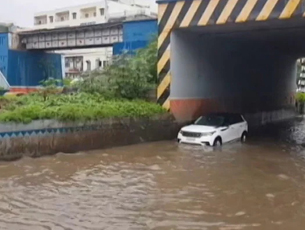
x=229, y=55
x=88, y=36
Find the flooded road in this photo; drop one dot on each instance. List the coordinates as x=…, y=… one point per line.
x=258, y=185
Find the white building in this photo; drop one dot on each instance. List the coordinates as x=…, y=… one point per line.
x=103, y=11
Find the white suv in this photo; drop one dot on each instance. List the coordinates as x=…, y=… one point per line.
x=215, y=129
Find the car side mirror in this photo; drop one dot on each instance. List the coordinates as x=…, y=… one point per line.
x=225, y=127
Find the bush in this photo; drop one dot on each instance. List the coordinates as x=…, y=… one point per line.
x=78, y=107
x=129, y=77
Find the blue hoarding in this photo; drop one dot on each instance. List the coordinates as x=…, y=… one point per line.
x=29, y=68
x=136, y=35
x=139, y=30
x=4, y=53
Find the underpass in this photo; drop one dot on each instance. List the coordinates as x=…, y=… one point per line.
x=230, y=55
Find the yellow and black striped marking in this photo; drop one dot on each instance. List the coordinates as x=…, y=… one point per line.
x=189, y=13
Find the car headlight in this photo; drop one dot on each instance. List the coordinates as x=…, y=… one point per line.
x=207, y=134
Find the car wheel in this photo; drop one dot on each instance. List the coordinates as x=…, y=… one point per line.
x=217, y=142
x=244, y=137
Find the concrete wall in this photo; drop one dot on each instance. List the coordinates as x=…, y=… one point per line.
x=223, y=74
x=47, y=137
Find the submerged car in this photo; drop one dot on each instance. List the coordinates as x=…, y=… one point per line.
x=215, y=130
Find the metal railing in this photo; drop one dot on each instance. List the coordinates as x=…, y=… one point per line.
x=130, y=14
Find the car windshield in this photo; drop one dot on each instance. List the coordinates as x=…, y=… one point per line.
x=211, y=120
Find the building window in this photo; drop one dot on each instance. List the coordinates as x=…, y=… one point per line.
x=102, y=11
x=74, y=15
x=105, y=64
x=39, y=22
x=51, y=18
x=88, y=65
x=98, y=63
x=86, y=15
x=62, y=19
x=94, y=14
x=67, y=62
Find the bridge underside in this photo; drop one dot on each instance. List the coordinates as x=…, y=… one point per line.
x=247, y=68
x=229, y=55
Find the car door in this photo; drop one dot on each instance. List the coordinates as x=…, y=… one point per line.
x=237, y=126
x=227, y=132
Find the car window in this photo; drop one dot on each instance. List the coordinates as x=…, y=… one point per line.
x=234, y=119
x=211, y=120
x=227, y=120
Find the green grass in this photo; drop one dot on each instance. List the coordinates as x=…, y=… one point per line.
x=78, y=107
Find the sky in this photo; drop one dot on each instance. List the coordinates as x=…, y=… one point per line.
x=21, y=12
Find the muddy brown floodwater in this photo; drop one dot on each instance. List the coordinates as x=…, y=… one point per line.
x=258, y=185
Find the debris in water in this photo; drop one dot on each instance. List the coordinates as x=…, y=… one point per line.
x=240, y=214
x=283, y=177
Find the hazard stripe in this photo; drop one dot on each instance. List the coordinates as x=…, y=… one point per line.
x=290, y=8
x=164, y=96
x=256, y=10
x=161, y=11
x=266, y=11
x=174, y=15
x=247, y=9
x=237, y=10
x=164, y=46
x=299, y=10
x=163, y=85
x=164, y=71
x=190, y=14
x=279, y=8
x=186, y=8
x=218, y=11
x=226, y=12
x=166, y=104
x=163, y=60
x=165, y=16
x=205, y=8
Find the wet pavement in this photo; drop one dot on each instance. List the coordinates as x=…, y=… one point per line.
x=166, y=186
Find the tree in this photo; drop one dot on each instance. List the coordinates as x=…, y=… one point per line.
x=129, y=76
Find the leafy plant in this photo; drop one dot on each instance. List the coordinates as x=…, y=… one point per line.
x=67, y=82
x=49, y=87
x=128, y=77
x=77, y=107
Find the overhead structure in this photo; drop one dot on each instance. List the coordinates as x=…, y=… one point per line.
x=211, y=21
x=99, y=35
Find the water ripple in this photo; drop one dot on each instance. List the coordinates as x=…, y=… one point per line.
x=163, y=186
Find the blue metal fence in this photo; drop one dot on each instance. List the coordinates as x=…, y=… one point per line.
x=29, y=68
x=4, y=53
